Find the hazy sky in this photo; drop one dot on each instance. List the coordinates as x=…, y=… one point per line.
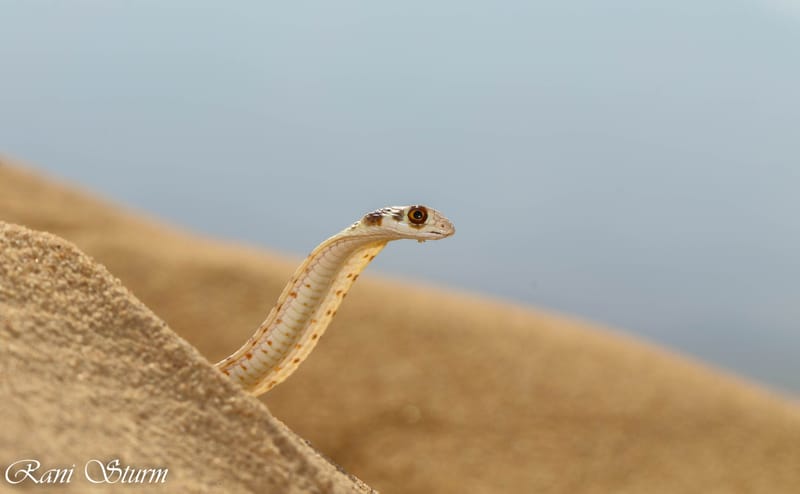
x=633, y=163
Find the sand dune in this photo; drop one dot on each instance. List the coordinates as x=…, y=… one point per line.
x=437, y=392
x=88, y=375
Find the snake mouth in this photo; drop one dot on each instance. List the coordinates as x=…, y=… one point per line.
x=439, y=233
x=432, y=235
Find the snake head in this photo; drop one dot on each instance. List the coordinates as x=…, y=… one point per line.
x=415, y=222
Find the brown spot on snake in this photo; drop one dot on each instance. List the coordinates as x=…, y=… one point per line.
x=373, y=219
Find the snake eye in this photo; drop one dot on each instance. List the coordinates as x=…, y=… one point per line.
x=417, y=215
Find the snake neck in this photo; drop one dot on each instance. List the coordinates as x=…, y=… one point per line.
x=303, y=311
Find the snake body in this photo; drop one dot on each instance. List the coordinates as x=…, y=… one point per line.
x=309, y=301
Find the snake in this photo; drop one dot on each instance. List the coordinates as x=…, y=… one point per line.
x=310, y=299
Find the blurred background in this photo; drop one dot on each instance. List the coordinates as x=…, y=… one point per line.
x=626, y=162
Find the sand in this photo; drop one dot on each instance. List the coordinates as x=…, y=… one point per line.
x=444, y=392
x=90, y=374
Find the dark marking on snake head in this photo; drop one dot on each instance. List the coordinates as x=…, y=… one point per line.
x=373, y=219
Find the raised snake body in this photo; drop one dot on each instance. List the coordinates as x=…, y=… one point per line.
x=310, y=299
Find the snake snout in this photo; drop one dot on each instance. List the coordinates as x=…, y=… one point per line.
x=445, y=228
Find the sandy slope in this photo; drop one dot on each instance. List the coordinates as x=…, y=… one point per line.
x=87, y=374
x=445, y=392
